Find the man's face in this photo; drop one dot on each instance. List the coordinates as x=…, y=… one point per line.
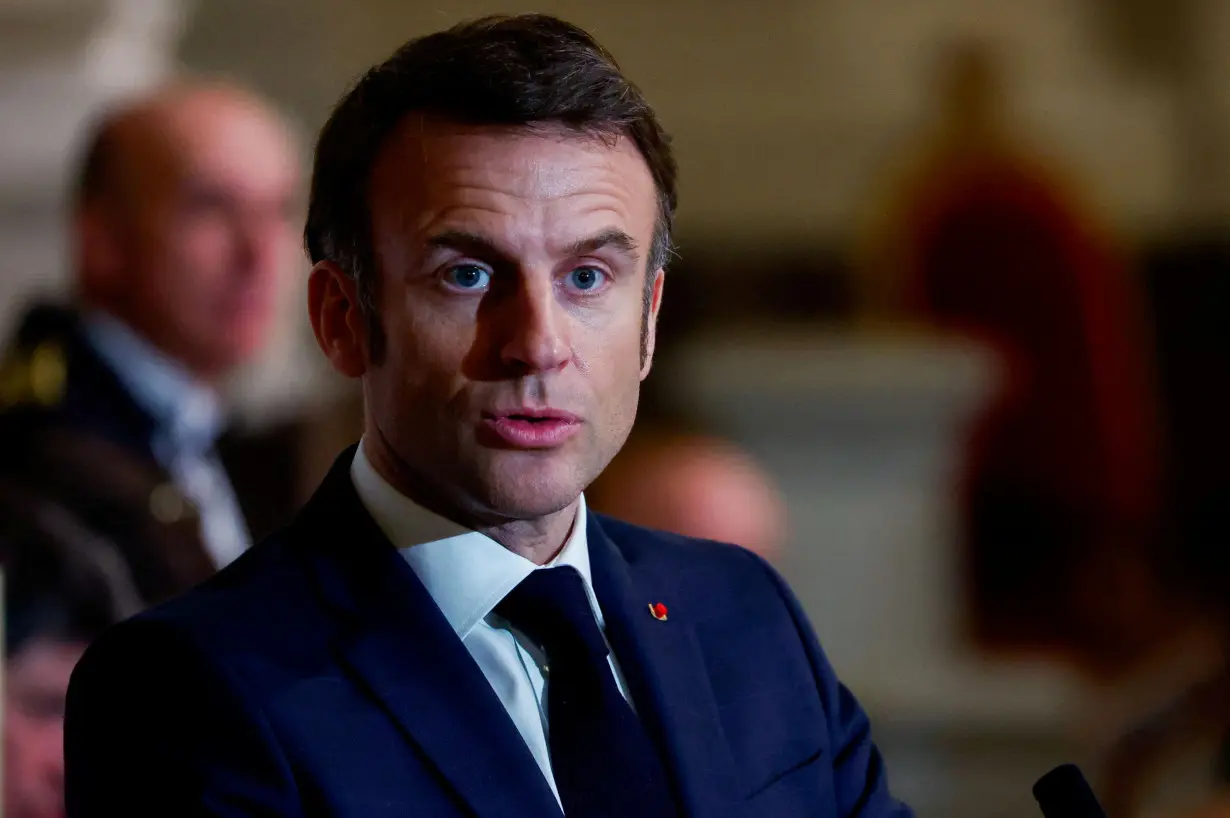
x=205, y=229
x=36, y=682
x=513, y=268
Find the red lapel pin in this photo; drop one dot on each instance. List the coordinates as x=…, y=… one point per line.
x=658, y=610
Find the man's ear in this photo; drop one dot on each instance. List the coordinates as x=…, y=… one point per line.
x=651, y=323
x=337, y=320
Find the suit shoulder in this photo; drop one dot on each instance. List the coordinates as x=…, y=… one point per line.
x=635, y=539
x=33, y=377
x=34, y=364
x=255, y=626
x=234, y=606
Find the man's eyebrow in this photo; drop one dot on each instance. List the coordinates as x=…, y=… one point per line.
x=478, y=245
x=470, y=244
x=613, y=238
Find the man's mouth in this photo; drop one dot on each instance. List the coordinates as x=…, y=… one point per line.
x=531, y=428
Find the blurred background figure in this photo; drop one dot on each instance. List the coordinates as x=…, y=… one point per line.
x=62, y=592
x=1062, y=480
x=694, y=485
x=182, y=224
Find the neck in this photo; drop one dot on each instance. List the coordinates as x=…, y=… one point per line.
x=540, y=540
x=537, y=539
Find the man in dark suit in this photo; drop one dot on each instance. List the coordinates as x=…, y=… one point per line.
x=445, y=630
x=110, y=415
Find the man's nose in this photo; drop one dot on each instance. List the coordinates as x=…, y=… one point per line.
x=537, y=328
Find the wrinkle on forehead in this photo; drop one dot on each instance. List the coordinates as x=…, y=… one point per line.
x=549, y=180
x=521, y=168
x=488, y=170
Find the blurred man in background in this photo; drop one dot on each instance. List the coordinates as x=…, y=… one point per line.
x=183, y=224
x=62, y=592
x=697, y=486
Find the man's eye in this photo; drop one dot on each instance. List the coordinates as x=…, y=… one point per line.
x=42, y=706
x=205, y=201
x=468, y=277
x=586, y=278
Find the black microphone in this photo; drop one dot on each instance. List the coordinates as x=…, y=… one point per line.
x=1064, y=793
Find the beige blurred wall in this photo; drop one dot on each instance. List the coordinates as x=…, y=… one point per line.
x=788, y=114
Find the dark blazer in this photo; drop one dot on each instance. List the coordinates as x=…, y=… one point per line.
x=77, y=465
x=316, y=677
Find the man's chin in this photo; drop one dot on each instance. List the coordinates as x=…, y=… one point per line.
x=531, y=506
x=528, y=488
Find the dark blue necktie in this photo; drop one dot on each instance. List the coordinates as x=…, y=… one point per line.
x=604, y=762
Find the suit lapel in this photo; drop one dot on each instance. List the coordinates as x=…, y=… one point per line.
x=96, y=399
x=666, y=672
x=399, y=646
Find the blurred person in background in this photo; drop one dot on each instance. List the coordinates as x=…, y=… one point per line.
x=694, y=485
x=62, y=591
x=986, y=238
x=183, y=224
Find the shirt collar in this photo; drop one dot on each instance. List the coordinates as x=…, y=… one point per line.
x=465, y=572
x=185, y=410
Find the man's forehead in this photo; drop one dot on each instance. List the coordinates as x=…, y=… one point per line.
x=558, y=184
x=534, y=162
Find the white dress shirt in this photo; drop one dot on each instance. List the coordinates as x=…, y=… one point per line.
x=468, y=574
x=188, y=419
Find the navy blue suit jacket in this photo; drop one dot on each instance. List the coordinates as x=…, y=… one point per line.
x=316, y=677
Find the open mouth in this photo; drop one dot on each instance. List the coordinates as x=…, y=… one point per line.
x=531, y=429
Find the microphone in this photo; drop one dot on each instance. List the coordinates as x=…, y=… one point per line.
x=1064, y=793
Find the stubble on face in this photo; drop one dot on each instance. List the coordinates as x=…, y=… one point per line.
x=534, y=218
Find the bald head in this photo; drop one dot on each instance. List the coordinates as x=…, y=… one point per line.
x=185, y=213
x=133, y=141
x=695, y=486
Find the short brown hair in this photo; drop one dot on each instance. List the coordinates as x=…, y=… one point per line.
x=522, y=70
